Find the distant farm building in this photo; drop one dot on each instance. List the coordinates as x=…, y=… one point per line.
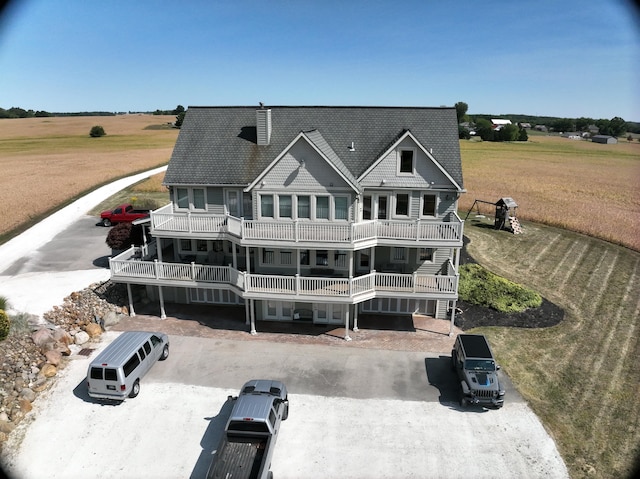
x=497, y=123
x=605, y=139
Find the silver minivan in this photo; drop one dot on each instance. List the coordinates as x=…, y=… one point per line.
x=116, y=372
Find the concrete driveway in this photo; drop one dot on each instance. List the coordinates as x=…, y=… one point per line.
x=354, y=414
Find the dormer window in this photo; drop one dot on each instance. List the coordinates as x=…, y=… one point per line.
x=406, y=162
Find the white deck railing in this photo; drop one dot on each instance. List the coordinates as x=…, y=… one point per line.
x=126, y=267
x=165, y=220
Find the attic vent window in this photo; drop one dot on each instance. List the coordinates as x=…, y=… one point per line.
x=406, y=164
x=352, y=147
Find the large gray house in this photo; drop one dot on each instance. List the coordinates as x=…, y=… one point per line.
x=307, y=214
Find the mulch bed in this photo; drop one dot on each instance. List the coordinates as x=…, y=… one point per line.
x=472, y=316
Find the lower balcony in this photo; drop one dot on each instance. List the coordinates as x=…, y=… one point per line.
x=128, y=267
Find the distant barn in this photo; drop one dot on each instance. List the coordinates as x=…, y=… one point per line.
x=605, y=139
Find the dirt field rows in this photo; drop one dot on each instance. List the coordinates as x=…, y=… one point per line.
x=581, y=377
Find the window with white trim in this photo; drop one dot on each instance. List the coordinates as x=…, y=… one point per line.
x=402, y=204
x=322, y=207
x=182, y=198
x=322, y=257
x=341, y=208
x=286, y=257
x=186, y=245
x=284, y=206
x=340, y=259
x=266, y=206
x=406, y=162
x=425, y=255
x=268, y=256
x=304, y=207
x=399, y=255
x=366, y=208
x=429, y=204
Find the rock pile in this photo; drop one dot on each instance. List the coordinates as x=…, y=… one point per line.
x=30, y=361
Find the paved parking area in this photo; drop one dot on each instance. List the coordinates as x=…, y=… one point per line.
x=355, y=413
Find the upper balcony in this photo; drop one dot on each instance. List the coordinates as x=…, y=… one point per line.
x=165, y=222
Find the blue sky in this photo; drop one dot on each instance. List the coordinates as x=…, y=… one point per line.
x=567, y=58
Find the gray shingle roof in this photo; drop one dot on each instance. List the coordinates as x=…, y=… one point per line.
x=217, y=145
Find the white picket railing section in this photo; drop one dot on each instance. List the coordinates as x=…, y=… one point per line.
x=167, y=221
x=126, y=266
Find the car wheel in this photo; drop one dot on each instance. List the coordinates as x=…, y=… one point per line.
x=106, y=222
x=165, y=352
x=285, y=413
x=135, y=390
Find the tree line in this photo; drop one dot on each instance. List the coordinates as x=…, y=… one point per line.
x=615, y=126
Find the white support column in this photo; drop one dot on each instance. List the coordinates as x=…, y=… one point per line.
x=131, y=310
x=163, y=314
x=453, y=315
x=253, y=318
x=346, y=326
x=355, y=317
x=159, y=248
x=248, y=265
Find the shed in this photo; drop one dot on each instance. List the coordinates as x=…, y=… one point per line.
x=605, y=139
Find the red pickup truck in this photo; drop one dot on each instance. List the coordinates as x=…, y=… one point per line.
x=124, y=213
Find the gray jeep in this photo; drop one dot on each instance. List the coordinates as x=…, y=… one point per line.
x=477, y=370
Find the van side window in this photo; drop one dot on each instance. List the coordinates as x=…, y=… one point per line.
x=130, y=365
x=96, y=373
x=142, y=353
x=110, y=374
x=147, y=347
x=155, y=340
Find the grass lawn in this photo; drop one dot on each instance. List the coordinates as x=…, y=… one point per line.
x=581, y=377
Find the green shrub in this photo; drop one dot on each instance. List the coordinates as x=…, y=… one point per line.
x=482, y=287
x=4, y=303
x=5, y=325
x=97, y=131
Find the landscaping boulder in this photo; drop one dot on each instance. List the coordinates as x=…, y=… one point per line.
x=111, y=318
x=48, y=370
x=93, y=330
x=42, y=337
x=81, y=337
x=53, y=357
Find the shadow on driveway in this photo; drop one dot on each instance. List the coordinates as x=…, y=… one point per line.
x=211, y=439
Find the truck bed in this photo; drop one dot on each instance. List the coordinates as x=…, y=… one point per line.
x=240, y=458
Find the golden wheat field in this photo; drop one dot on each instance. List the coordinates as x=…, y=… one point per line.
x=577, y=185
x=45, y=162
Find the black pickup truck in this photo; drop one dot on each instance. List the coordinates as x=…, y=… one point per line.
x=246, y=448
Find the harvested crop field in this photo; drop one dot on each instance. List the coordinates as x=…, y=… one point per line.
x=46, y=162
x=577, y=185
